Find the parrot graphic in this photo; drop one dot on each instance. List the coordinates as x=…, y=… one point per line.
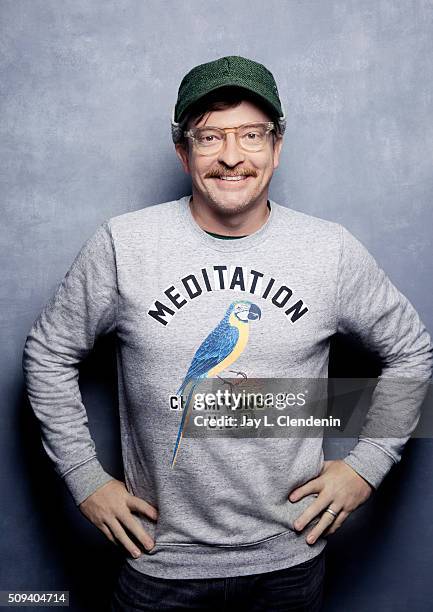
x=217, y=352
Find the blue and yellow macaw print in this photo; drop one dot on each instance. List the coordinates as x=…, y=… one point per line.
x=217, y=352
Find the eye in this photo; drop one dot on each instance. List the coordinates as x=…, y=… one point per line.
x=252, y=135
x=208, y=137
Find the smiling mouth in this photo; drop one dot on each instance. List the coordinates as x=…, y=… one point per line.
x=232, y=179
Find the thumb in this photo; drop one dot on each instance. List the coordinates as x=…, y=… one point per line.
x=326, y=465
x=311, y=486
x=138, y=504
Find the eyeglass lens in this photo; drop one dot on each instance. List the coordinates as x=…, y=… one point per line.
x=249, y=137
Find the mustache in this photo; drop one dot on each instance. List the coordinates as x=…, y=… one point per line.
x=216, y=173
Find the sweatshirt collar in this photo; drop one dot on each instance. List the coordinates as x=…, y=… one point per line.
x=240, y=244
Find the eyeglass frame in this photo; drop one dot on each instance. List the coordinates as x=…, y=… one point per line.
x=270, y=125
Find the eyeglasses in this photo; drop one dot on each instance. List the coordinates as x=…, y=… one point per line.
x=250, y=137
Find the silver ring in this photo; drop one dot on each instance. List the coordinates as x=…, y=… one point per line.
x=334, y=514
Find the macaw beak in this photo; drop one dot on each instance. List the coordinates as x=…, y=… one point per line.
x=254, y=313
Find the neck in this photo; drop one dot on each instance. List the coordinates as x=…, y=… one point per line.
x=240, y=223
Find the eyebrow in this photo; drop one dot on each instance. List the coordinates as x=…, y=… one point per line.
x=230, y=128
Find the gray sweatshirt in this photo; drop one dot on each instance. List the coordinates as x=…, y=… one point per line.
x=165, y=286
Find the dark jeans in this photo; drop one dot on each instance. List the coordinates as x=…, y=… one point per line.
x=298, y=588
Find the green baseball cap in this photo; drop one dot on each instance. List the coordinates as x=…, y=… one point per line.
x=232, y=70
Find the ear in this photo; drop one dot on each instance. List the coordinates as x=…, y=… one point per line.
x=277, y=150
x=183, y=155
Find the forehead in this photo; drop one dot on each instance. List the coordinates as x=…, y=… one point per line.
x=246, y=112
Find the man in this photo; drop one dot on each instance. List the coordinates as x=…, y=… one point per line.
x=223, y=281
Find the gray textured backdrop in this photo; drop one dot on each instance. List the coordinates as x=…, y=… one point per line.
x=87, y=89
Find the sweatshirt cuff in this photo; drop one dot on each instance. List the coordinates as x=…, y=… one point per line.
x=370, y=462
x=83, y=480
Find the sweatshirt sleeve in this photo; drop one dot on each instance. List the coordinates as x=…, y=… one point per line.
x=82, y=308
x=372, y=309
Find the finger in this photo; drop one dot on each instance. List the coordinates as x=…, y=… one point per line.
x=312, y=486
x=337, y=523
x=108, y=533
x=326, y=521
x=315, y=508
x=133, y=525
x=120, y=534
x=140, y=505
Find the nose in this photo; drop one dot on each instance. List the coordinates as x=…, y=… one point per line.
x=231, y=154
